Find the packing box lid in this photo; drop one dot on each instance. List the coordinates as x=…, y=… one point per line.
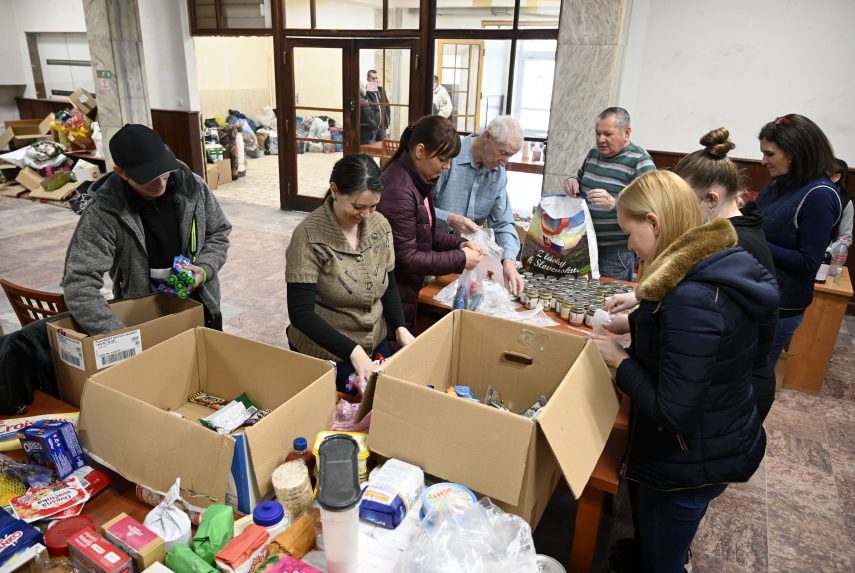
x=125, y=419
x=481, y=447
x=26, y=129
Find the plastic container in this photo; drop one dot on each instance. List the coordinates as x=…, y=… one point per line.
x=301, y=452
x=439, y=494
x=338, y=495
x=839, y=252
x=57, y=535
x=293, y=488
x=364, y=453
x=271, y=516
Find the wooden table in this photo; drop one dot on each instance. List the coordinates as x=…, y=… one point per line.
x=813, y=342
x=119, y=496
x=606, y=476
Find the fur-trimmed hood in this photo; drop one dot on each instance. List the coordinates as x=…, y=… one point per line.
x=707, y=254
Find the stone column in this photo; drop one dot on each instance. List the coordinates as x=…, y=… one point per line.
x=587, y=72
x=115, y=46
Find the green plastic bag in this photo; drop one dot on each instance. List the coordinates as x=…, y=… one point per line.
x=217, y=529
x=181, y=559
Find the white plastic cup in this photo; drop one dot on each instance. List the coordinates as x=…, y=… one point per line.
x=341, y=539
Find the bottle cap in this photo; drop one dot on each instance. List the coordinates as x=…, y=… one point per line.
x=300, y=444
x=57, y=536
x=338, y=477
x=268, y=513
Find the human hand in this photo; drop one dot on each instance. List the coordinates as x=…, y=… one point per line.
x=571, y=186
x=620, y=302
x=612, y=352
x=362, y=363
x=461, y=224
x=198, y=276
x=473, y=257
x=602, y=199
x=619, y=324
x=404, y=336
x=475, y=246
x=513, y=280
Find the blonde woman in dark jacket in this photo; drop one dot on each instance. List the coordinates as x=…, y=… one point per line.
x=694, y=426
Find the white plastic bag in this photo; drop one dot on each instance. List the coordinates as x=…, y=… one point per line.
x=168, y=521
x=497, y=301
x=490, y=267
x=475, y=538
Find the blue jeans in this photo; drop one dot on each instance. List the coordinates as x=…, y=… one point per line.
x=783, y=333
x=617, y=265
x=667, y=523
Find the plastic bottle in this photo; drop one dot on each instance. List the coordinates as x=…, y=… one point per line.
x=301, y=452
x=271, y=516
x=839, y=252
x=460, y=298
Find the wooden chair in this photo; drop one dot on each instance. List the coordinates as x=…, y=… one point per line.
x=32, y=305
x=389, y=147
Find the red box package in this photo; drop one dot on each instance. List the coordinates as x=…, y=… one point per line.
x=97, y=554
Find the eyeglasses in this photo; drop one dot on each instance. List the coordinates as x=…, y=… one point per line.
x=782, y=120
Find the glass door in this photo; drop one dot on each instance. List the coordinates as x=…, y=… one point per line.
x=460, y=69
x=342, y=96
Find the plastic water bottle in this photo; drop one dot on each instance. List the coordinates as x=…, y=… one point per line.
x=839, y=252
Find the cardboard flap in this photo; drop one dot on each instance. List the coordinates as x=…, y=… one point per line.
x=112, y=433
x=454, y=436
x=57, y=194
x=6, y=137
x=579, y=417
x=270, y=439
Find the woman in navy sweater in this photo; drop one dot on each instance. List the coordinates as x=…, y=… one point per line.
x=800, y=209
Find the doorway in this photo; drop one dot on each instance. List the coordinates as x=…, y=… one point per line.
x=347, y=96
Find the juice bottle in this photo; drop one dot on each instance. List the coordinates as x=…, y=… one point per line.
x=301, y=452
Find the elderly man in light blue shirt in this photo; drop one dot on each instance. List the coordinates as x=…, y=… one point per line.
x=474, y=190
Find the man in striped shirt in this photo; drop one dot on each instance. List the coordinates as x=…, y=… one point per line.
x=607, y=169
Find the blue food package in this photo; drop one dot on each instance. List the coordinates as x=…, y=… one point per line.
x=393, y=489
x=45, y=444
x=16, y=535
x=465, y=392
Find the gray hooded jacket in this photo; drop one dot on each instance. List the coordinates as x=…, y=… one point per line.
x=110, y=237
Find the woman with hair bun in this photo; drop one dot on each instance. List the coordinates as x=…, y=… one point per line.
x=425, y=151
x=800, y=208
x=339, y=271
x=717, y=183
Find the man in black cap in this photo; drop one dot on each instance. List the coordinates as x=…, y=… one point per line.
x=149, y=210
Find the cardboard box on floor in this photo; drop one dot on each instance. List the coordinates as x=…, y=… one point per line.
x=30, y=179
x=125, y=419
x=151, y=319
x=514, y=460
x=224, y=166
x=213, y=175
x=26, y=131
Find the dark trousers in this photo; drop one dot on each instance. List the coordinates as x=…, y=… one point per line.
x=666, y=523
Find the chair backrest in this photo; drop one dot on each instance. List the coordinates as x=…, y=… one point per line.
x=31, y=305
x=390, y=146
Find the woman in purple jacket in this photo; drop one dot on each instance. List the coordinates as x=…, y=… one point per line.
x=408, y=203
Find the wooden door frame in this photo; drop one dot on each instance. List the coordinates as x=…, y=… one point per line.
x=440, y=42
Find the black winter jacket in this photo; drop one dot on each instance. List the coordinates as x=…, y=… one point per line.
x=694, y=338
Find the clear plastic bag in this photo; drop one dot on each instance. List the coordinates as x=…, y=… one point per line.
x=490, y=267
x=476, y=538
x=498, y=302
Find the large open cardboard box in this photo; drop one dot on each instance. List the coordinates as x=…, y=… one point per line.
x=514, y=460
x=25, y=131
x=151, y=319
x=125, y=415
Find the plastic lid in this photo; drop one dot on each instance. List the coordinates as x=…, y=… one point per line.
x=268, y=513
x=300, y=444
x=338, y=484
x=57, y=536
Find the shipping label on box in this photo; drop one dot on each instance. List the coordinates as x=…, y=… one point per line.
x=113, y=349
x=70, y=350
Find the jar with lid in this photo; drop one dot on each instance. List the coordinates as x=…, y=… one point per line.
x=526, y=292
x=532, y=300
x=577, y=315
x=589, y=316
x=546, y=299
x=271, y=516
x=564, y=309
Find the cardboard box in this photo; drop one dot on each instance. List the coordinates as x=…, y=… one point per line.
x=12, y=190
x=83, y=100
x=25, y=131
x=224, y=166
x=30, y=179
x=135, y=539
x=213, y=175
x=127, y=413
x=513, y=459
x=151, y=319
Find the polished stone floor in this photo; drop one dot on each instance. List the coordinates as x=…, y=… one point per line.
x=797, y=514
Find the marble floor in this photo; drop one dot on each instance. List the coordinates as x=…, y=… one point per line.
x=797, y=514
